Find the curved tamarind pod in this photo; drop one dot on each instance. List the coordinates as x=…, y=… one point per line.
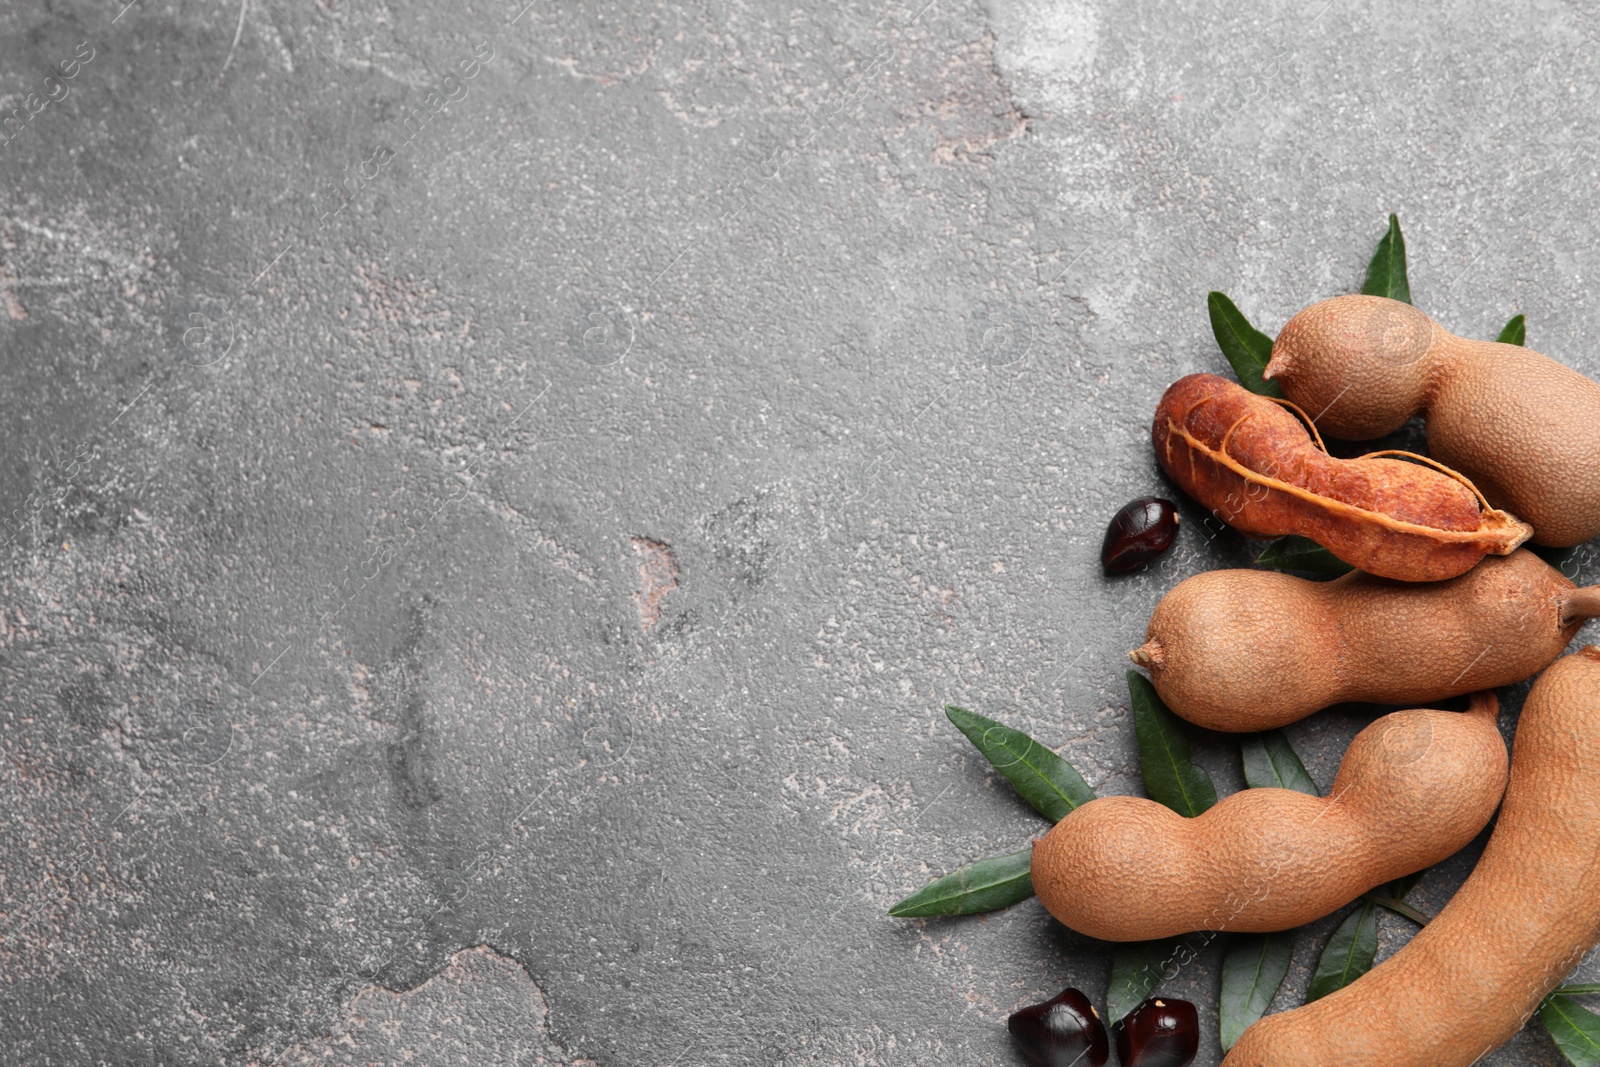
x=1255, y=466
x=1523, y=919
x=1523, y=427
x=1413, y=788
x=1243, y=650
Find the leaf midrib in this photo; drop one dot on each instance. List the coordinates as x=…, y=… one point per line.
x=1177, y=771
x=1355, y=939
x=1022, y=758
x=969, y=889
x=1243, y=342
x=1555, y=1005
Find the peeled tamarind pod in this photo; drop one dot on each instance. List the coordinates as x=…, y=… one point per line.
x=1414, y=788
x=1253, y=463
x=1523, y=427
x=1243, y=650
x=1524, y=918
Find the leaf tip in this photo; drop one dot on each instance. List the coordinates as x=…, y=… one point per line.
x=962, y=719
x=1515, y=331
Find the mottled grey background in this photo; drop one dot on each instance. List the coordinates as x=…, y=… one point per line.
x=506, y=619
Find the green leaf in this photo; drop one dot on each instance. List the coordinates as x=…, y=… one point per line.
x=1576, y=1029
x=1247, y=348
x=1136, y=967
x=1253, y=967
x=1348, y=954
x=1394, y=899
x=1386, y=274
x=1044, y=779
x=987, y=885
x=1401, y=886
x=1515, y=331
x=1577, y=989
x=1296, y=553
x=1169, y=777
x=1398, y=906
x=1270, y=762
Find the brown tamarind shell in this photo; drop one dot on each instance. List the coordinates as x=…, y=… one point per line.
x=1415, y=787
x=1529, y=912
x=1255, y=465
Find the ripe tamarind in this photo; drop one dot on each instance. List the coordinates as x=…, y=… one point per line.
x=1413, y=788
x=1254, y=464
x=1522, y=920
x=1245, y=650
x=1519, y=424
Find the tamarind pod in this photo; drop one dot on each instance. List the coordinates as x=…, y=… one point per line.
x=1254, y=464
x=1522, y=920
x=1522, y=426
x=1245, y=650
x=1413, y=788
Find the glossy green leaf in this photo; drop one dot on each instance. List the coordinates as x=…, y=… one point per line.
x=1169, y=777
x=1348, y=954
x=987, y=885
x=1044, y=779
x=1136, y=967
x=1301, y=554
x=1386, y=274
x=1575, y=1029
x=1270, y=762
x=1247, y=348
x=1515, y=331
x=1253, y=967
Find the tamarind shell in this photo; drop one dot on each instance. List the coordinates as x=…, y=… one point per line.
x=1413, y=788
x=1254, y=464
x=1521, y=425
x=1522, y=920
x=1243, y=650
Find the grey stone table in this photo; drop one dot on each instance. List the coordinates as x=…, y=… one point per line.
x=496, y=495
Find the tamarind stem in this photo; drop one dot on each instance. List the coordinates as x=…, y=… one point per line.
x=1485, y=704
x=1151, y=657
x=1578, y=605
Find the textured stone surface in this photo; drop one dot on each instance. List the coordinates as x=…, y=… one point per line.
x=564, y=545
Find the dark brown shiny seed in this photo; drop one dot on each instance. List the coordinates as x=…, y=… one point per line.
x=1063, y=1032
x=1140, y=532
x=1159, y=1033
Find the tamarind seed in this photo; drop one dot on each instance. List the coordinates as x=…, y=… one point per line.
x=1064, y=1031
x=1159, y=1033
x=1139, y=532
